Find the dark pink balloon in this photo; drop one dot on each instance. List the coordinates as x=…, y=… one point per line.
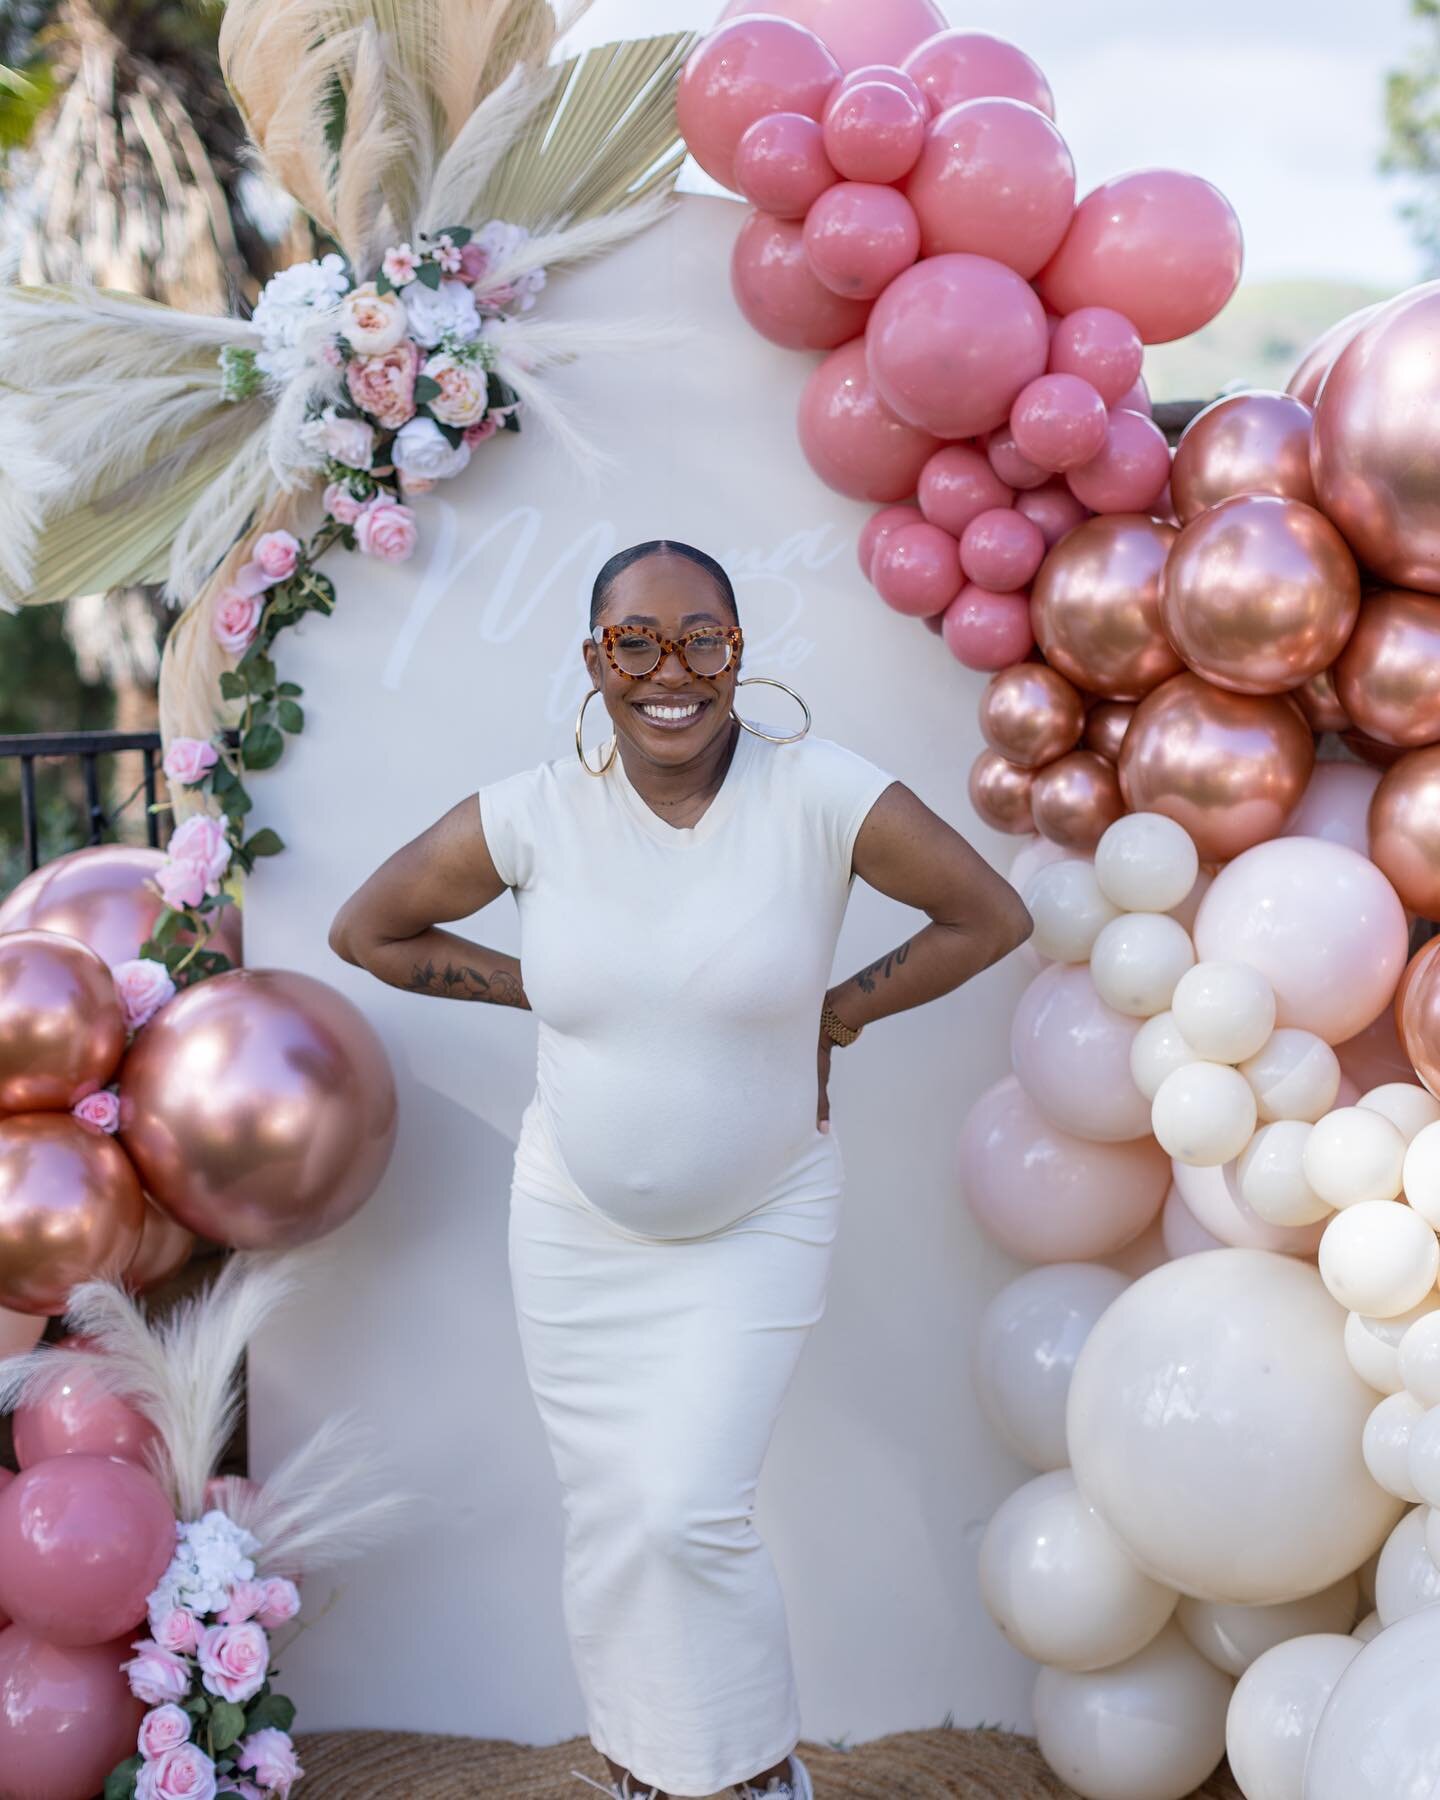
x=874, y=130
x=972, y=65
x=756, y=65
x=952, y=341
x=1159, y=246
x=878, y=527
x=780, y=294
x=67, y=1715
x=75, y=1413
x=781, y=165
x=1100, y=346
x=83, y=1540
x=994, y=178
x=988, y=631
x=875, y=72
x=851, y=438
x=916, y=569
x=1136, y=400
x=858, y=31
x=1010, y=462
x=1001, y=550
x=1058, y=421
x=957, y=485
x=1053, y=508
x=859, y=236
x=1129, y=472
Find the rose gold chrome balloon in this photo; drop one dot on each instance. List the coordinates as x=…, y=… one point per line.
x=1244, y=444
x=61, y=1032
x=1420, y=1019
x=100, y=896
x=1095, y=606
x=1321, y=704
x=1379, y=756
x=1388, y=676
x=1000, y=793
x=1230, y=768
x=70, y=1208
x=165, y=1248
x=259, y=1107
x=1029, y=714
x=1429, y=949
x=1259, y=594
x=1076, y=800
x=1405, y=830
x=1105, y=728
x=1376, y=453
x=1315, y=365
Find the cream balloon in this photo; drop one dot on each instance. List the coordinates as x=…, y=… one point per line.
x=1368, y=1628
x=1270, y=1175
x=1379, y=1258
x=1137, y=960
x=1417, y=1357
x=1353, y=1155
x=1226, y=1011
x=1379, y=1733
x=1432, y=1535
x=1185, y=913
x=1385, y=1444
x=1069, y=910
x=1213, y=1195
x=1375, y=1353
x=1071, y=1053
x=1155, y=1050
x=1409, y=1108
x=1406, y=1578
x=1232, y=1637
x=1145, y=862
x=1294, y=1075
x=1422, y=1450
x=1276, y=1708
x=1058, y=1583
x=1365, y=1580
x=1203, y=1114
x=1182, y=1232
x=1420, y=1174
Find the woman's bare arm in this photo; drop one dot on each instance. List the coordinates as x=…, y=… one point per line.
x=390, y=925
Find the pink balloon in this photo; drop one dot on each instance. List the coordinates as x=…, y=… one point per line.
x=1159, y=246
x=954, y=66
x=952, y=341
x=858, y=31
x=859, y=236
x=878, y=527
x=874, y=130
x=1046, y=1196
x=1071, y=1053
x=1212, y=1197
x=781, y=165
x=780, y=294
x=1136, y=400
x=67, y=1716
x=995, y=178
x=83, y=1540
x=1375, y=1055
x=19, y=1331
x=1010, y=462
x=988, y=631
x=1059, y=422
x=1001, y=550
x=1129, y=472
x=957, y=485
x=875, y=72
x=76, y=1414
x=916, y=569
x=1101, y=347
x=1336, y=805
x=850, y=437
x=759, y=64
x=1181, y=1232
x=1053, y=508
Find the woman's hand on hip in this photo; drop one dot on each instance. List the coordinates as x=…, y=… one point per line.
x=822, y=1116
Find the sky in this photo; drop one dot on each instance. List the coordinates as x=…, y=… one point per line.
x=1278, y=102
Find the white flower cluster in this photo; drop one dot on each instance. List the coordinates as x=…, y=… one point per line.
x=448, y=311
x=498, y=240
x=211, y=1554
x=287, y=307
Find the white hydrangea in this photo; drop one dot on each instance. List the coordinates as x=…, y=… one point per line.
x=287, y=307
x=500, y=239
x=211, y=1554
x=422, y=451
x=448, y=311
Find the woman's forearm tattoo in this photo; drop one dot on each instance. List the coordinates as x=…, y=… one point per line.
x=865, y=980
x=500, y=988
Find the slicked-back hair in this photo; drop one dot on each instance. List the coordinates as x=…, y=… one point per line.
x=624, y=559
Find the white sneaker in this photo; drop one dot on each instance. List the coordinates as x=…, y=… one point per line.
x=617, y=1790
x=802, y=1788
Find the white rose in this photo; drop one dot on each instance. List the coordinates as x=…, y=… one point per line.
x=287, y=308
x=446, y=311
x=423, y=452
x=464, y=391
x=372, y=322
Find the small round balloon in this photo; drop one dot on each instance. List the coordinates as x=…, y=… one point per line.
x=741, y=72
x=1075, y=799
x=780, y=294
x=851, y=438
x=916, y=569
x=1128, y=472
x=1001, y=550
x=1053, y=508
x=985, y=630
x=1387, y=677
x=1101, y=346
x=781, y=166
x=874, y=130
x=858, y=236
x=1254, y=443
x=1059, y=421
x=1000, y=793
x=1031, y=714
x=67, y=1715
x=954, y=66
x=1096, y=607
x=71, y=1210
x=61, y=1031
x=75, y=1412
x=956, y=485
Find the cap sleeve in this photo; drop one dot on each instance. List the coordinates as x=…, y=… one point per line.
x=510, y=818
x=846, y=785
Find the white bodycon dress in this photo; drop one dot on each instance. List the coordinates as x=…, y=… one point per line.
x=672, y=1216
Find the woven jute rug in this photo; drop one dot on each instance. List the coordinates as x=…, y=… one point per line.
x=909, y=1765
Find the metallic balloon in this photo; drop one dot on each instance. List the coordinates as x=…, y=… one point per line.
x=1230, y=768
x=1105, y=728
x=1420, y=1020
x=1380, y=756
x=1095, y=606
x=61, y=1030
x=70, y=1208
x=1376, y=453
x=1000, y=793
x=1429, y=949
x=1321, y=704
x=1257, y=443
x=73, y=1412
x=1315, y=364
x=1405, y=830
x=1029, y=714
x=259, y=1107
x=1388, y=676
x=1076, y=799
x=1259, y=594
x=165, y=1248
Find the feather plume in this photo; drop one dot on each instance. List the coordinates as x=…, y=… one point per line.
x=454, y=194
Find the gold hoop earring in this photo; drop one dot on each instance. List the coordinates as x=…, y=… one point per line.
x=580, y=748
x=766, y=681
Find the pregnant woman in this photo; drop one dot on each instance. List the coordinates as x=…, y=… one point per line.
x=677, y=1184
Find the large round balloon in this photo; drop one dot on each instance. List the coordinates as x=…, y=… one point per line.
x=1376, y=457
x=1252, y=443
x=1420, y=1020
x=952, y=341
x=954, y=66
x=61, y=1030
x=1095, y=607
x=74, y=1412
x=1230, y=768
x=1320, y=923
x=1315, y=364
x=1379, y=1735
x=851, y=438
x=1388, y=676
x=1071, y=1053
x=1260, y=593
x=1161, y=247
x=259, y=1107
x=70, y=1209
x=781, y=295
x=759, y=64
x=1276, y=1708
x=855, y=32
x=1209, y=1407
x=67, y=1715
x=1404, y=829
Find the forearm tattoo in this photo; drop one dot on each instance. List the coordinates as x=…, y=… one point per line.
x=865, y=980
x=465, y=983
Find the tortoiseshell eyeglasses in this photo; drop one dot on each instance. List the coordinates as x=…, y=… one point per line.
x=635, y=650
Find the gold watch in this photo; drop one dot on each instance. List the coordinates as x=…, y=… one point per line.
x=835, y=1027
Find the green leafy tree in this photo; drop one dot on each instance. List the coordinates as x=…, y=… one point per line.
x=1412, y=116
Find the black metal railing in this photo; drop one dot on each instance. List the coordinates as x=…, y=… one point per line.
x=88, y=746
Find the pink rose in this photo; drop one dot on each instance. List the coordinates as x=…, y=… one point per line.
x=384, y=386
x=251, y=580
x=282, y=1602
x=463, y=389
x=187, y=759
x=277, y=553
x=184, y=1773
x=163, y=1729
x=101, y=1110
x=236, y=619
x=156, y=1676
x=201, y=838
x=233, y=1660
x=474, y=261
x=386, y=529
x=143, y=986
x=245, y=1600
x=477, y=433
x=270, y=1756
x=372, y=322
x=341, y=504
x=179, y=1631
x=181, y=883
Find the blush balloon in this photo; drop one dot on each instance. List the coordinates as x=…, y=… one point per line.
x=875, y=72
x=72, y=1411
x=874, y=131
x=1315, y=364
x=1161, y=247
x=1053, y=508
x=916, y=569
x=1095, y=607
x=1059, y=422
x=859, y=236
x=781, y=166
x=1076, y=799
x=1128, y=472
x=987, y=631
x=1102, y=347
x=1336, y=807
x=781, y=295
x=741, y=72
x=954, y=66
x=956, y=485
x=1001, y=550
x=61, y=1033
x=878, y=526
x=67, y=1715
x=851, y=438
x=1137, y=399
x=1000, y=793
x=858, y=32
x=1244, y=444
x=1029, y=714
x=1387, y=677
x=1010, y=462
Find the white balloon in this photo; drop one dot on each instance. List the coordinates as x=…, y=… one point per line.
x=1368, y=1627
x=1421, y=1174
x=1408, y=1108
x=1225, y=1010
x=1183, y=1233
x=1386, y=1444
x=1370, y=1355
x=1232, y=1637
x=1353, y=1154
x=1155, y=1050
x=1071, y=1054
x=1147, y=863
x=1417, y=1356
x=1032, y=854
x=1203, y=1113
x=1137, y=960
x=1423, y=1445
x=1068, y=908
x=1295, y=1075
x=1432, y=1535
x=1406, y=1579
x=1029, y=1337
x=1365, y=1579
x=1213, y=1196
x=1275, y=1709
x=1379, y=1258
x=1270, y=1175
x=1149, y=1728
x=1058, y=1583
x=1215, y=1424
x=1379, y=1735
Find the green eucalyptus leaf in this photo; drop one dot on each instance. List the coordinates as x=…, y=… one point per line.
x=288, y=689
x=264, y=843
x=271, y=1709
x=261, y=747
x=291, y=716
x=232, y=684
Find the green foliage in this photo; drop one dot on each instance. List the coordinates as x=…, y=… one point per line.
x=1412, y=117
